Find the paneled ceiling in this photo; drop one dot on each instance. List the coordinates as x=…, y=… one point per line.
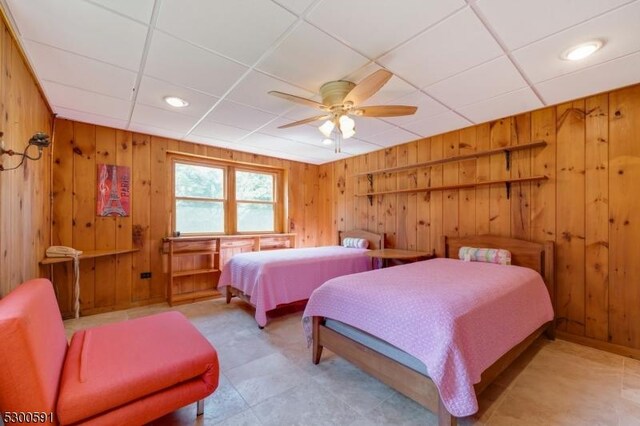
x=111, y=62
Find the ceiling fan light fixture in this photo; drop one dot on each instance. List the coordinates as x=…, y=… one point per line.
x=326, y=128
x=347, y=126
x=176, y=102
x=582, y=50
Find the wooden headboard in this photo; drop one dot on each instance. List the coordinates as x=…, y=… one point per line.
x=537, y=256
x=376, y=241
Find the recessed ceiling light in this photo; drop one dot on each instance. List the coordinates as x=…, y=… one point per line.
x=175, y=101
x=581, y=51
x=327, y=141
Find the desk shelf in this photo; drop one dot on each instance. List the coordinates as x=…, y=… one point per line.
x=91, y=254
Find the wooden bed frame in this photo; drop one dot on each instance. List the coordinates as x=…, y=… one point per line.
x=376, y=241
x=416, y=386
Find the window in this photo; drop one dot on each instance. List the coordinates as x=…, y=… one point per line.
x=218, y=197
x=200, y=203
x=255, y=201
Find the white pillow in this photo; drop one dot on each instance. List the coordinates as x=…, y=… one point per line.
x=350, y=242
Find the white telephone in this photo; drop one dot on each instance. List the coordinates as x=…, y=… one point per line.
x=62, y=251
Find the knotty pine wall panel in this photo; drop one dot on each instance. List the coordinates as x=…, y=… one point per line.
x=111, y=283
x=589, y=206
x=24, y=192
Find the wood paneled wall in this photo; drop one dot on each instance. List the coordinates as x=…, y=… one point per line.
x=24, y=192
x=589, y=206
x=112, y=282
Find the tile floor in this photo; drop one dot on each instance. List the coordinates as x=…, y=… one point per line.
x=267, y=378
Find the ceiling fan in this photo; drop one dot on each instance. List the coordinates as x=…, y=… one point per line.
x=342, y=99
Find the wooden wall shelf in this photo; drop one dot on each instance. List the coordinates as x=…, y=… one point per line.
x=506, y=150
x=192, y=257
x=506, y=182
x=86, y=255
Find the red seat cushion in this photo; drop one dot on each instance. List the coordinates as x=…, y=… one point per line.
x=112, y=365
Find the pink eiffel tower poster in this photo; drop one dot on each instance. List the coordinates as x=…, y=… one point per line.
x=113, y=197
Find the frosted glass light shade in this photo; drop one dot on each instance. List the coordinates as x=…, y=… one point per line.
x=347, y=126
x=326, y=128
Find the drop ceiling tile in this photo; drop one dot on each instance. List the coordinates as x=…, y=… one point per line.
x=303, y=150
x=86, y=117
x=600, y=78
x=265, y=141
x=305, y=133
x=210, y=141
x=427, y=107
x=163, y=119
x=395, y=136
x=140, y=10
x=237, y=115
x=454, y=45
x=214, y=130
x=367, y=127
x=296, y=6
x=79, y=71
x=373, y=27
x=437, y=124
x=292, y=156
x=302, y=112
x=82, y=100
x=185, y=65
x=618, y=29
x=356, y=146
x=242, y=29
x=82, y=28
x=253, y=91
x=501, y=106
x=482, y=82
x=152, y=93
x=309, y=58
x=543, y=17
x=154, y=131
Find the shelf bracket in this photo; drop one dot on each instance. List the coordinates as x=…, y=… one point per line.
x=370, y=180
x=508, y=187
x=507, y=157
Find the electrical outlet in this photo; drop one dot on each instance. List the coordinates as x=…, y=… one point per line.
x=145, y=275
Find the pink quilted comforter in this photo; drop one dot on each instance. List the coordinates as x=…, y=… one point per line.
x=276, y=277
x=456, y=317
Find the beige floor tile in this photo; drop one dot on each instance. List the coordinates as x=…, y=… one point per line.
x=400, y=410
x=360, y=391
x=628, y=413
x=631, y=366
x=308, y=404
x=246, y=418
x=631, y=387
x=265, y=377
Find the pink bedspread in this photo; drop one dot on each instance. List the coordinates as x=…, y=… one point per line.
x=276, y=277
x=456, y=317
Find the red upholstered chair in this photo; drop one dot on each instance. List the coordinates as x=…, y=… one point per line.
x=125, y=373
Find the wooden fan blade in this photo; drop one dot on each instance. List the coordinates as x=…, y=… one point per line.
x=385, y=111
x=368, y=87
x=298, y=99
x=305, y=121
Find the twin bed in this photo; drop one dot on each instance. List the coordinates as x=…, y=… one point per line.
x=438, y=331
x=269, y=279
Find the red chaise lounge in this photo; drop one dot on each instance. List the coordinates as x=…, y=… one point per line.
x=125, y=373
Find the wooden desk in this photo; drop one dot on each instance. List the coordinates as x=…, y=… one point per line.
x=396, y=254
